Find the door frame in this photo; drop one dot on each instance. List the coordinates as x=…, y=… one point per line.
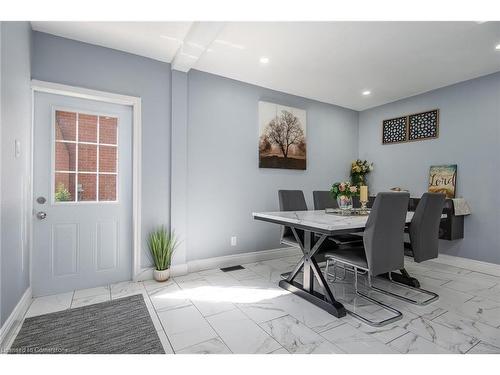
x=106, y=97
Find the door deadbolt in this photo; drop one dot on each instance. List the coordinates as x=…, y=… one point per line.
x=41, y=200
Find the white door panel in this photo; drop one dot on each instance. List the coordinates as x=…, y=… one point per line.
x=83, y=171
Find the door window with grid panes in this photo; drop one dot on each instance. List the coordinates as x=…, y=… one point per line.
x=85, y=157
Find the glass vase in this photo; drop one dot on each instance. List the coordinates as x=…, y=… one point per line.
x=345, y=204
x=358, y=179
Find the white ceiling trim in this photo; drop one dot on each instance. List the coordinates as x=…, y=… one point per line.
x=196, y=42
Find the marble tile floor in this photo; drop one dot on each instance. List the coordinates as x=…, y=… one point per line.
x=244, y=311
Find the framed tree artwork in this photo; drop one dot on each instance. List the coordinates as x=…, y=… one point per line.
x=282, y=137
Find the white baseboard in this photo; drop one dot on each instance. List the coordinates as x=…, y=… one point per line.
x=236, y=259
x=14, y=320
x=222, y=261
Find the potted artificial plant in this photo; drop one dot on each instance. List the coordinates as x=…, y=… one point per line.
x=161, y=244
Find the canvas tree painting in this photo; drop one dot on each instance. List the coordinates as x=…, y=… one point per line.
x=282, y=136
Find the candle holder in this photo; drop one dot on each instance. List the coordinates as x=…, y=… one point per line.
x=363, y=210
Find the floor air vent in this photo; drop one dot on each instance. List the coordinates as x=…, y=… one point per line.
x=233, y=268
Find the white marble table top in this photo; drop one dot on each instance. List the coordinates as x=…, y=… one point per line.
x=318, y=219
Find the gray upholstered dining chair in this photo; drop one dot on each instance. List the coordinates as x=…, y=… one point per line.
x=383, y=249
x=291, y=200
x=424, y=227
x=424, y=241
x=322, y=200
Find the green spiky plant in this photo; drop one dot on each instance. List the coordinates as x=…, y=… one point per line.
x=162, y=244
x=62, y=193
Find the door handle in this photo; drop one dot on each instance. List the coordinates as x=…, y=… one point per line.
x=41, y=215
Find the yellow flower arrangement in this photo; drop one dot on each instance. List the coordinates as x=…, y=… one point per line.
x=359, y=168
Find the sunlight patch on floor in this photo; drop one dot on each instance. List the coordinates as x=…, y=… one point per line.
x=225, y=294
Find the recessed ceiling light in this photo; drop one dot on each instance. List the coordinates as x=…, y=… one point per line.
x=497, y=47
x=264, y=60
x=366, y=92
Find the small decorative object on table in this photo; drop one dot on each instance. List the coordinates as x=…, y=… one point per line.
x=363, y=198
x=397, y=188
x=343, y=193
x=162, y=244
x=359, y=169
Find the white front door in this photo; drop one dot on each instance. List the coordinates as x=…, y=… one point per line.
x=82, y=185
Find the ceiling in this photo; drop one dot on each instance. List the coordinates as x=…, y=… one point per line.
x=333, y=62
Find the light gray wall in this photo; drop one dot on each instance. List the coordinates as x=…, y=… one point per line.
x=70, y=62
x=219, y=150
x=15, y=118
x=468, y=136
x=225, y=184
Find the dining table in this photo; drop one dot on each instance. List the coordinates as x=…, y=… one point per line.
x=317, y=226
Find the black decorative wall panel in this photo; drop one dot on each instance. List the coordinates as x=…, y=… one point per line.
x=423, y=125
x=416, y=127
x=394, y=130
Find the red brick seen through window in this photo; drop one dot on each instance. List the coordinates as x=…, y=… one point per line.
x=88, y=187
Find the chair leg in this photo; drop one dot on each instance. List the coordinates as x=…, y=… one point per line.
x=398, y=314
x=345, y=272
x=326, y=269
x=356, y=279
x=433, y=296
x=331, y=277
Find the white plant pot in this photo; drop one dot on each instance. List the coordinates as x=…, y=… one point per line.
x=161, y=275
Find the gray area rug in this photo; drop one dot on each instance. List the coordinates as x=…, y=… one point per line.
x=121, y=326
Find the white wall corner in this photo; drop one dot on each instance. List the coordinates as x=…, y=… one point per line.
x=179, y=173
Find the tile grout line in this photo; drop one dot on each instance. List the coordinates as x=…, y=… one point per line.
x=437, y=316
x=217, y=333
x=156, y=313
x=203, y=342
x=236, y=308
x=491, y=265
x=72, y=298
x=260, y=327
x=406, y=332
x=473, y=346
x=362, y=332
x=442, y=325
